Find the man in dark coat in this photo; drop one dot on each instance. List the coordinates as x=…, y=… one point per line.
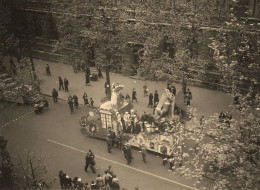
x=90, y=161
x=48, y=72
x=55, y=95
x=134, y=96
x=87, y=78
x=150, y=104
x=62, y=177
x=61, y=83
x=85, y=98
x=156, y=97
x=75, y=100
x=129, y=154
x=70, y=102
x=100, y=75
x=66, y=84
x=188, y=96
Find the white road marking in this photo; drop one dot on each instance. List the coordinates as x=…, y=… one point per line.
x=114, y=162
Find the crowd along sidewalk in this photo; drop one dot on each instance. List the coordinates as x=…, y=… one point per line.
x=206, y=101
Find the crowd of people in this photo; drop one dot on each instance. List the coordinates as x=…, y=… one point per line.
x=107, y=181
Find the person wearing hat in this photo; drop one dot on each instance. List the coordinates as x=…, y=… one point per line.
x=134, y=96
x=90, y=161
x=66, y=85
x=70, y=102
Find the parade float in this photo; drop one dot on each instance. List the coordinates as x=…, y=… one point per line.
x=160, y=132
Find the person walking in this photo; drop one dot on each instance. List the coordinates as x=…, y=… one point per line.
x=70, y=102
x=55, y=95
x=76, y=101
x=143, y=152
x=188, y=97
x=150, y=104
x=145, y=89
x=85, y=98
x=61, y=83
x=48, y=72
x=66, y=84
x=134, y=96
x=100, y=75
x=90, y=161
x=91, y=102
x=156, y=97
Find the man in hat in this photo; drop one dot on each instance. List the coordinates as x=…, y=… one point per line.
x=55, y=95
x=61, y=83
x=48, y=72
x=90, y=161
x=66, y=84
x=70, y=102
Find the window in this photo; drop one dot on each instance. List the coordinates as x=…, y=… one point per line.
x=106, y=121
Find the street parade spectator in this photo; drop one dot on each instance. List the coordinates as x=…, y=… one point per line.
x=143, y=152
x=90, y=161
x=61, y=83
x=93, y=186
x=55, y=95
x=188, y=97
x=107, y=178
x=76, y=101
x=156, y=97
x=91, y=102
x=145, y=89
x=115, y=183
x=150, y=104
x=99, y=182
x=62, y=177
x=85, y=98
x=48, y=72
x=134, y=95
x=68, y=182
x=100, y=75
x=66, y=84
x=70, y=102
x=75, y=67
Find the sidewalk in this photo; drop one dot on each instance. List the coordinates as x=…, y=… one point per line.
x=206, y=101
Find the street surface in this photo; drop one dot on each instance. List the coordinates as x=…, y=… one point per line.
x=55, y=135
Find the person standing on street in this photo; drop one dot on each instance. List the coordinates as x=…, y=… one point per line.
x=90, y=161
x=61, y=83
x=85, y=98
x=100, y=75
x=70, y=102
x=55, y=95
x=109, y=142
x=156, y=97
x=188, y=96
x=48, y=72
x=143, y=152
x=91, y=102
x=150, y=104
x=76, y=101
x=66, y=84
x=129, y=154
x=145, y=89
x=134, y=96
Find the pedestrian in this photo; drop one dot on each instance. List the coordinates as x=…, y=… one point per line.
x=109, y=142
x=150, y=104
x=62, y=177
x=55, y=95
x=48, y=72
x=66, y=84
x=90, y=161
x=134, y=96
x=145, y=89
x=99, y=182
x=61, y=83
x=91, y=102
x=143, y=152
x=75, y=67
x=164, y=155
x=68, y=182
x=107, y=178
x=76, y=101
x=129, y=154
x=188, y=97
x=115, y=183
x=156, y=97
x=100, y=75
x=85, y=98
x=87, y=78
x=70, y=102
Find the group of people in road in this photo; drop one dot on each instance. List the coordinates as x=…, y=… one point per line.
x=74, y=101
x=108, y=181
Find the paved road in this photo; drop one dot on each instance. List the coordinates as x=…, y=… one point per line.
x=55, y=134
